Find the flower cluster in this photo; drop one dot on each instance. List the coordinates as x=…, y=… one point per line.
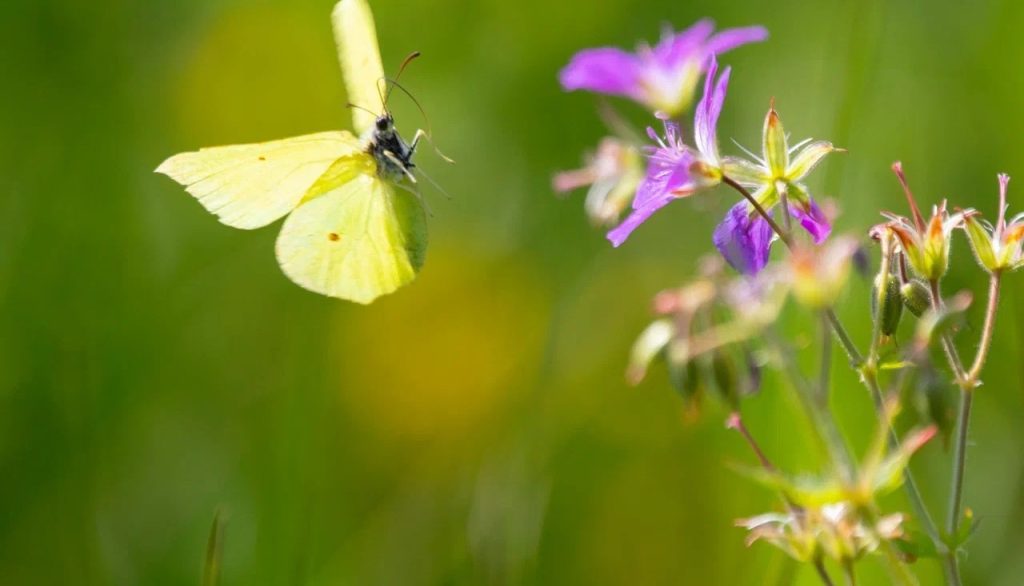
x=716, y=334
x=663, y=78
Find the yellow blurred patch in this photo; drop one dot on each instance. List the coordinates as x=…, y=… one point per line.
x=443, y=356
x=261, y=72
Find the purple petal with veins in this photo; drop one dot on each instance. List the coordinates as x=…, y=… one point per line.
x=640, y=214
x=705, y=119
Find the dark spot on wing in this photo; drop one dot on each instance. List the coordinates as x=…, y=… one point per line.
x=333, y=236
x=262, y=158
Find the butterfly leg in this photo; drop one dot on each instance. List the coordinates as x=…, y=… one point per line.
x=420, y=133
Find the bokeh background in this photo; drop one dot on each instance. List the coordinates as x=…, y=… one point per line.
x=475, y=428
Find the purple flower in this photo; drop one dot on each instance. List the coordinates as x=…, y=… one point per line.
x=780, y=170
x=662, y=78
x=675, y=169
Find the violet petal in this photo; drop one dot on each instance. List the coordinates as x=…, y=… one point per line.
x=619, y=234
x=604, y=70
x=743, y=241
x=813, y=220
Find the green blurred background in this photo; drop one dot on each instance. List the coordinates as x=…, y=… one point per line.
x=156, y=366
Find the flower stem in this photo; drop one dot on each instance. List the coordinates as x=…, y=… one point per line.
x=735, y=421
x=869, y=374
x=783, y=235
x=819, y=566
x=967, y=384
x=837, y=326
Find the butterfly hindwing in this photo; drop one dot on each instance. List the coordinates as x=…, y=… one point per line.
x=251, y=185
x=356, y=37
x=357, y=241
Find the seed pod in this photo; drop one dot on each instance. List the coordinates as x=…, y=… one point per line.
x=916, y=296
x=892, y=305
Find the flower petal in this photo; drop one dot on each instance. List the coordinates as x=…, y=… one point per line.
x=734, y=37
x=705, y=119
x=743, y=240
x=812, y=219
x=809, y=156
x=674, y=49
x=605, y=70
x=667, y=172
x=621, y=232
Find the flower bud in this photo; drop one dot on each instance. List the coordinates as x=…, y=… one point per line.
x=776, y=151
x=981, y=242
x=916, y=296
x=892, y=305
x=684, y=375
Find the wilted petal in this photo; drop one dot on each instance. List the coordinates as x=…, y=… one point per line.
x=743, y=239
x=813, y=220
x=705, y=119
x=734, y=37
x=807, y=158
x=605, y=70
x=618, y=235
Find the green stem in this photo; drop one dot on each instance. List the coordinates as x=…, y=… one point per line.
x=869, y=374
x=819, y=566
x=967, y=384
x=837, y=327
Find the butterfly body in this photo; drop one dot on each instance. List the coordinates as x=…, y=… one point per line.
x=349, y=232
x=392, y=154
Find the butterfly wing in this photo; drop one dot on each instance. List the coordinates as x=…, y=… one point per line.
x=251, y=185
x=356, y=37
x=358, y=241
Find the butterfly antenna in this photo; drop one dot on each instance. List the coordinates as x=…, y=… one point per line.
x=409, y=59
x=357, y=107
x=380, y=94
x=428, y=132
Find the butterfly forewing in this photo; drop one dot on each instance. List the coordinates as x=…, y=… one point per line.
x=356, y=38
x=251, y=185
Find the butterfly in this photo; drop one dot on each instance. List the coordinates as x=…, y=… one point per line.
x=353, y=229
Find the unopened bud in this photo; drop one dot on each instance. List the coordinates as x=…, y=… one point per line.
x=916, y=296
x=684, y=376
x=892, y=306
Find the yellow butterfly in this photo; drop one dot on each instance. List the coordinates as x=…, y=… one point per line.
x=349, y=233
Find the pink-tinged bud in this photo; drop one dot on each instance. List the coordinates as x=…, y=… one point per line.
x=997, y=248
x=776, y=151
